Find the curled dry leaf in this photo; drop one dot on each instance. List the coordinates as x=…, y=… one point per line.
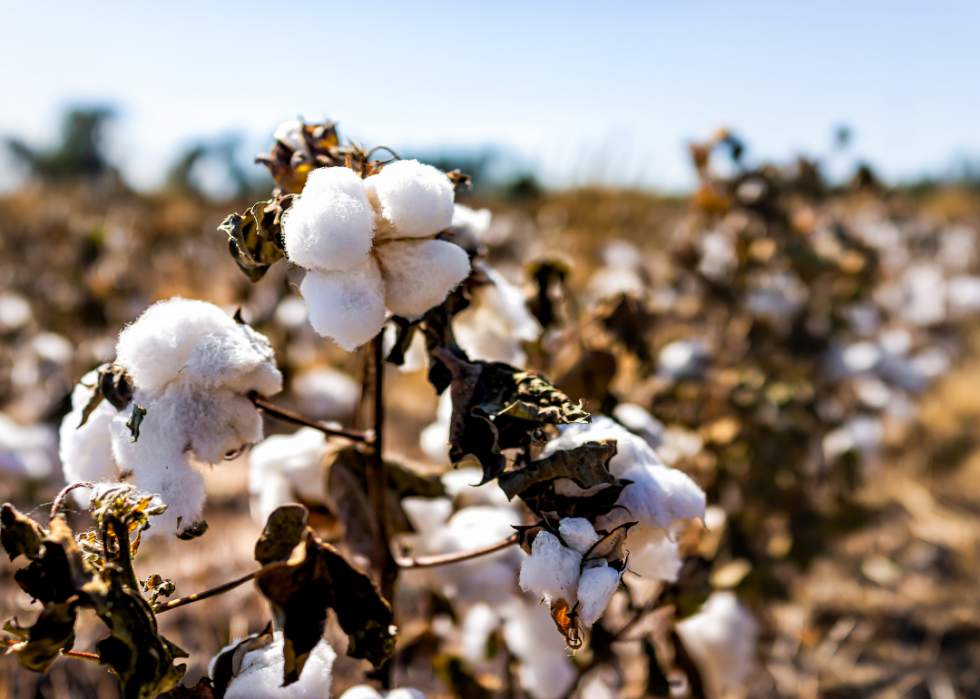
x=587, y=466
x=255, y=239
x=315, y=578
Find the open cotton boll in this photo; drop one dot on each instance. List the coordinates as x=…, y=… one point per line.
x=578, y=533
x=652, y=554
x=362, y=691
x=419, y=274
x=195, y=342
x=721, y=639
x=551, y=571
x=86, y=451
x=416, y=199
x=286, y=467
x=469, y=227
x=325, y=393
x=261, y=674
x=427, y=515
x=27, y=451
x=330, y=226
x=290, y=133
x=405, y=693
x=480, y=622
x=347, y=306
x=595, y=588
x=638, y=421
x=547, y=676
x=463, y=485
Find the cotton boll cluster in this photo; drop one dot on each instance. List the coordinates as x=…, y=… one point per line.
x=287, y=468
x=192, y=368
x=261, y=674
x=494, y=326
x=722, y=640
x=368, y=247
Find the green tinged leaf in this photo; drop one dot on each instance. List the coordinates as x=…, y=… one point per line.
x=135, y=420
x=586, y=465
x=255, y=239
x=317, y=578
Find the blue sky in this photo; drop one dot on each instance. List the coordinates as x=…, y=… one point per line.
x=581, y=91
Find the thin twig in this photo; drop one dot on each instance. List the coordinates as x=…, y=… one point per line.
x=381, y=147
x=58, y=501
x=213, y=592
x=447, y=558
x=289, y=416
x=91, y=657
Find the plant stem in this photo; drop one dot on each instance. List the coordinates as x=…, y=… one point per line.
x=213, y=592
x=91, y=657
x=447, y=558
x=58, y=501
x=264, y=405
x=121, y=532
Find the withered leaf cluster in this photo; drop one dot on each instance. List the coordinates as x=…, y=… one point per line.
x=255, y=238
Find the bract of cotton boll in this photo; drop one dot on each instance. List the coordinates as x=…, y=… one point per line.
x=596, y=587
x=652, y=554
x=578, y=533
x=552, y=570
x=493, y=327
x=479, y=623
x=262, y=670
x=86, y=450
x=347, y=306
x=415, y=199
x=324, y=393
x=28, y=452
x=419, y=274
x=284, y=468
x=638, y=421
x=658, y=496
x=330, y=226
x=722, y=639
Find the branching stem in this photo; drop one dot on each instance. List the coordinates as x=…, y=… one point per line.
x=447, y=558
x=213, y=592
x=58, y=501
x=264, y=405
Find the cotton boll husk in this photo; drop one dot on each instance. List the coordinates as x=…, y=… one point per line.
x=416, y=199
x=27, y=451
x=330, y=226
x=347, y=306
x=596, y=587
x=652, y=554
x=479, y=623
x=293, y=461
x=197, y=343
x=86, y=451
x=324, y=393
x=419, y=274
x=551, y=571
x=261, y=674
x=494, y=325
x=721, y=639
x=578, y=533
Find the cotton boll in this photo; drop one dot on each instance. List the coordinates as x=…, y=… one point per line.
x=469, y=227
x=551, y=571
x=86, y=451
x=683, y=359
x=427, y=515
x=262, y=670
x=286, y=467
x=361, y=691
x=595, y=588
x=463, y=485
x=347, y=306
x=652, y=554
x=194, y=342
x=416, y=199
x=324, y=393
x=638, y=421
x=480, y=622
x=290, y=133
x=27, y=451
x=405, y=693
x=721, y=639
x=330, y=226
x=419, y=274
x=547, y=676
x=578, y=533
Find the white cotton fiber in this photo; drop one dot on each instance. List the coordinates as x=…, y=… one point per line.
x=722, y=639
x=434, y=439
x=286, y=467
x=331, y=225
x=595, y=588
x=547, y=676
x=658, y=496
x=290, y=133
x=480, y=622
x=324, y=393
x=86, y=451
x=416, y=199
x=470, y=222
x=346, y=306
x=261, y=674
x=419, y=274
x=27, y=451
x=405, y=693
x=362, y=691
x=551, y=571
x=652, y=554
x=577, y=533
x=197, y=343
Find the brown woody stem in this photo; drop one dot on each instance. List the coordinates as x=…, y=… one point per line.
x=213, y=592
x=91, y=657
x=265, y=406
x=58, y=501
x=447, y=558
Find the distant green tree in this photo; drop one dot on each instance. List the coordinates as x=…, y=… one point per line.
x=81, y=153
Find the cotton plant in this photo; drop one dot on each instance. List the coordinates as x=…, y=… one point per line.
x=370, y=247
x=189, y=369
